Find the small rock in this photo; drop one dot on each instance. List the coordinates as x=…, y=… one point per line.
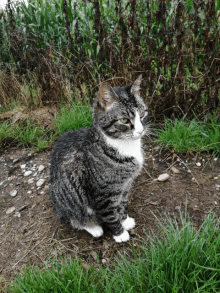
x=178, y=208
x=35, y=174
x=174, y=170
x=215, y=178
x=217, y=185
x=10, y=210
x=23, y=166
x=85, y=265
x=30, y=181
x=46, y=187
x=94, y=254
x=15, y=160
x=163, y=177
x=215, y=159
x=157, y=148
x=27, y=173
x=104, y=261
x=198, y=164
x=193, y=179
x=40, y=182
x=216, y=203
x=13, y=193
x=41, y=168
x=17, y=214
x=29, y=192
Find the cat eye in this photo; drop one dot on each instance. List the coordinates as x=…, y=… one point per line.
x=145, y=113
x=124, y=120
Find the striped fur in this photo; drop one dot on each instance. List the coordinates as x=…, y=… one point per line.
x=92, y=170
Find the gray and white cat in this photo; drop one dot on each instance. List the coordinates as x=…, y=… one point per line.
x=92, y=170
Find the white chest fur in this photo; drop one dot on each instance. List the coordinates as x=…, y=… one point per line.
x=127, y=148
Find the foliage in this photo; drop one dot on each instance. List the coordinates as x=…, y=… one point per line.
x=61, y=43
x=181, y=259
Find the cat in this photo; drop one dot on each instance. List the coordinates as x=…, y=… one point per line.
x=93, y=170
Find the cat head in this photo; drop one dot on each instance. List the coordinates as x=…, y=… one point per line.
x=120, y=112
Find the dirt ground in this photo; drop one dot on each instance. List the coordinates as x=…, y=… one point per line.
x=30, y=233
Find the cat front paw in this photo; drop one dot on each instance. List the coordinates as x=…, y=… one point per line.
x=95, y=231
x=123, y=237
x=128, y=224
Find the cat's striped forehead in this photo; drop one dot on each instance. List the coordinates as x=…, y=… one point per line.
x=129, y=101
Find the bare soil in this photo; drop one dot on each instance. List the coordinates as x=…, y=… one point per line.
x=31, y=235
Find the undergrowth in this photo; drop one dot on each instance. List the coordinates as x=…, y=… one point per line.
x=182, y=259
x=184, y=135
x=180, y=135
x=37, y=137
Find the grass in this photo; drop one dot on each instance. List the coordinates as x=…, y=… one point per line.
x=194, y=135
x=181, y=259
x=77, y=116
x=180, y=135
x=27, y=134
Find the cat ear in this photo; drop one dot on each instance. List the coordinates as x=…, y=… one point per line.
x=106, y=95
x=135, y=88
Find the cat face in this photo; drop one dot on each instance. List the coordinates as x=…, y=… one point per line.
x=120, y=112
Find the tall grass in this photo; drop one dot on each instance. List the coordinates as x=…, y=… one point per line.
x=174, y=44
x=181, y=259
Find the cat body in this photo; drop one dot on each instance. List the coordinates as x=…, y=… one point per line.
x=93, y=170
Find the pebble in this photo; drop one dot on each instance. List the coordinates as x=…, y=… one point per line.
x=216, y=203
x=193, y=179
x=215, y=159
x=13, y=193
x=10, y=210
x=217, y=185
x=94, y=254
x=215, y=178
x=198, y=164
x=41, y=168
x=174, y=170
x=40, y=182
x=27, y=173
x=30, y=180
x=17, y=214
x=29, y=192
x=157, y=148
x=23, y=166
x=163, y=177
x=178, y=208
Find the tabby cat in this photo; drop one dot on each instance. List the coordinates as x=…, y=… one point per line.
x=92, y=170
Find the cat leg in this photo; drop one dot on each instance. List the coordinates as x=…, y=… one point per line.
x=107, y=213
x=127, y=222
x=94, y=230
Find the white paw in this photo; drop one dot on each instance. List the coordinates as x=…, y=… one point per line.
x=123, y=237
x=128, y=224
x=95, y=230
